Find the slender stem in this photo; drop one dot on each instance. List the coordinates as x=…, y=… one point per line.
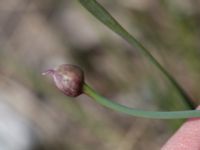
x=103, y=15
x=139, y=113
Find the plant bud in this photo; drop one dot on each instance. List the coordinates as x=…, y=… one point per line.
x=68, y=78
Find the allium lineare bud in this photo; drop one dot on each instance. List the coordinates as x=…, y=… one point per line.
x=68, y=78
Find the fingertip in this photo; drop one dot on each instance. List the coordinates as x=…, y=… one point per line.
x=187, y=137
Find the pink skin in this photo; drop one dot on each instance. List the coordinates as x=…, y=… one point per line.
x=186, y=138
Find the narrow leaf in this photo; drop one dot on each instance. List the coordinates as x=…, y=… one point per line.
x=103, y=15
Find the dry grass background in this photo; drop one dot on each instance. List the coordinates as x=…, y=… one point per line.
x=36, y=35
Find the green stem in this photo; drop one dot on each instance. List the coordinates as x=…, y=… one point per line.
x=101, y=14
x=139, y=113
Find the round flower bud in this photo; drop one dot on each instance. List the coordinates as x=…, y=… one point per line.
x=68, y=78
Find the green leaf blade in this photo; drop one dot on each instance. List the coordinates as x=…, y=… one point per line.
x=103, y=15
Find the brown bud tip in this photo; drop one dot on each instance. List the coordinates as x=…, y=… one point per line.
x=68, y=78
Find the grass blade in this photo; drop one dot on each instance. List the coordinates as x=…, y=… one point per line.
x=103, y=15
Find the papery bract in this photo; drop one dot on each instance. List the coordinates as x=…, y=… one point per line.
x=68, y=78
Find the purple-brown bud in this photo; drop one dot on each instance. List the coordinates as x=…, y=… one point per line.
x=68, y=78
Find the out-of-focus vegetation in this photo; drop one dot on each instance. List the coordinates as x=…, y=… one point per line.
x=36, y=35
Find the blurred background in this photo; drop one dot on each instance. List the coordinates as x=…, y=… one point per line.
x=37, y=35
